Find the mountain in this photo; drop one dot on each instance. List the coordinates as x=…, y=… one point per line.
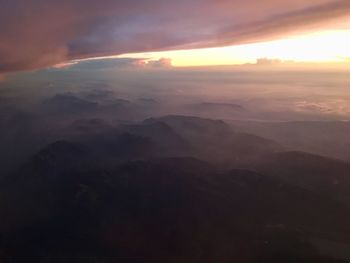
x=316, y=173
x=167, y=140
x=216, y=106
x=216, y=141
x=215, y=109
x=168, y=190
x=61, y=207
x=327, y=138
x=68, y=104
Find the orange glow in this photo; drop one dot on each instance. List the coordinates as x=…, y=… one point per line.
x=323, y=46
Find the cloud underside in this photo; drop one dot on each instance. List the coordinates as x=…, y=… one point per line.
x=41, y=33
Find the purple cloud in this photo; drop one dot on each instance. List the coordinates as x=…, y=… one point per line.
x=41, y=33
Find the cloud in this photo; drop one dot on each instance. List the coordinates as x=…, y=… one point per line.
x=107, y=63
x=115, y=63
x=274, y=62
x=314, y=14
x=331, y=106
x=159, y=63
x=268, y=61
x=41, y=33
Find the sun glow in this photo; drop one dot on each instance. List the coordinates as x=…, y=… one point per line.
x=323, y=46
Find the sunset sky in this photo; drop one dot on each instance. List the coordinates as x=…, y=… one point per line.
x=322, y=46
x=38, y=34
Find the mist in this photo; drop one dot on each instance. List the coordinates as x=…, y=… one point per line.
x=40, y=107
x=100, y=148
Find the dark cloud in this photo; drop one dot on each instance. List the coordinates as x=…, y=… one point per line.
x=38, y=33
x=316, y=13
x=117, y=63
x=102, y=64
x=160, y=63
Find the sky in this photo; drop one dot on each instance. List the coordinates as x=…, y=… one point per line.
x=305, y=48
x=42, y=33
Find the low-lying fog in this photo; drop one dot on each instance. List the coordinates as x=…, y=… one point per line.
x=302, y=109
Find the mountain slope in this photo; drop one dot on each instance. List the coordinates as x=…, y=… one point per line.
x=320, y=174
x=172, y=210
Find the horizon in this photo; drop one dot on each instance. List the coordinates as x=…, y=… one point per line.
x=187, y=131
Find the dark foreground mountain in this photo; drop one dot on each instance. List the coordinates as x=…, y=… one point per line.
x=316, y=173
x=139, y=193
x=59, y=208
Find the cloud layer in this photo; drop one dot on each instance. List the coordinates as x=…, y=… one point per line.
x=41, y=33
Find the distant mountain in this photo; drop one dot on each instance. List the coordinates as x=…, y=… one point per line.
x=68, y=104
x=215, y=109
x=196, y=125
x=213, y=106
x=168, y=141
x=214, y=140
x=328, y=138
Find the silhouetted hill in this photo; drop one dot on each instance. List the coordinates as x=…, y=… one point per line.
x=170, y=210
x=316, y=173
x=139, y=193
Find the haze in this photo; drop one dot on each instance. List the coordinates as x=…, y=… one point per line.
x=174, y=131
